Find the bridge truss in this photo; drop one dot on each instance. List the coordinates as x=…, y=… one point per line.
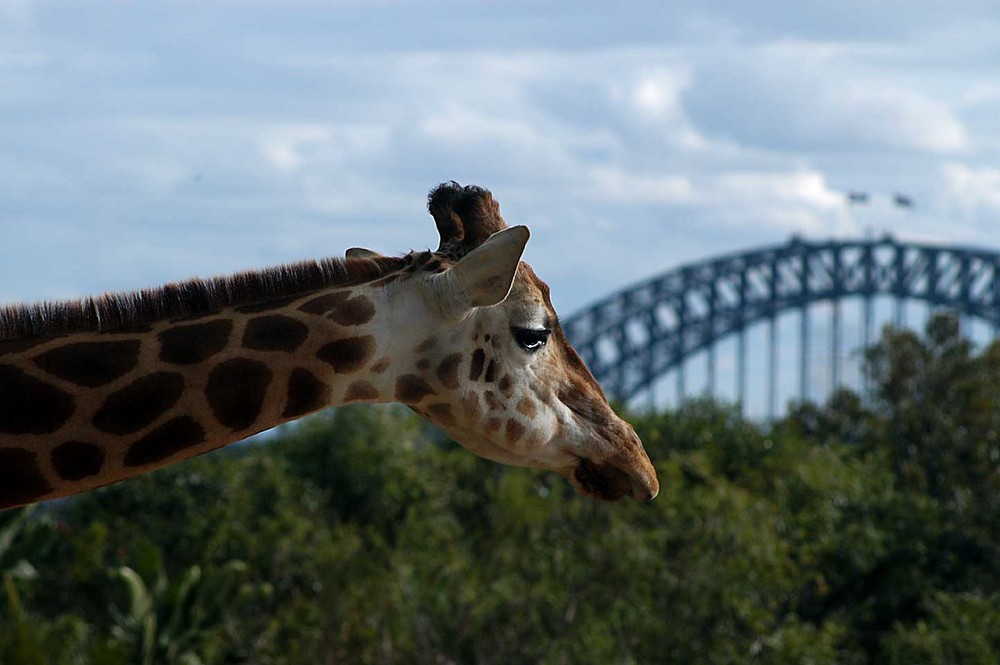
x=635, y=336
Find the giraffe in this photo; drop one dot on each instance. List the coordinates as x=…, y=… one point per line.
x=96, y=391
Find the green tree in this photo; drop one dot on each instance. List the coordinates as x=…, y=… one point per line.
x=176, y=622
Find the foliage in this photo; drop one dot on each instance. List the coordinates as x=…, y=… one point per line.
x=169, y=622
x=851, y=532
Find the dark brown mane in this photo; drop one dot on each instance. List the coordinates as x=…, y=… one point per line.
x=197, y=296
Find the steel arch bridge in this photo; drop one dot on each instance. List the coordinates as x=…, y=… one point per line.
x=633, y=337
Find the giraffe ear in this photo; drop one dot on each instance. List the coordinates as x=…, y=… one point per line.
x=361, y=253
x=482, y=277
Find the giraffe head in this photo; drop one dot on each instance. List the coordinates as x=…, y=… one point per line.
x=491, y=366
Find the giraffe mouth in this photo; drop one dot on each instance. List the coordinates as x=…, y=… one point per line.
x=603, y=481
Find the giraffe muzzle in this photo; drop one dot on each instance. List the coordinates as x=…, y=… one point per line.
x=611, y=482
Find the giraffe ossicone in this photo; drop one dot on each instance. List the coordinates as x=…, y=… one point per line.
x=96, y=391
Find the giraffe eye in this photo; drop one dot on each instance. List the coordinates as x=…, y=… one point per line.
x=531, y=340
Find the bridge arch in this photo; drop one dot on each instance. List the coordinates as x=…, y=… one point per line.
x=631, y=338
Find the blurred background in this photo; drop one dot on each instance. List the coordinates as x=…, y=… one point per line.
x=826, y=503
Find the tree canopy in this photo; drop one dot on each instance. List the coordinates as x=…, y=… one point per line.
x=855, y=531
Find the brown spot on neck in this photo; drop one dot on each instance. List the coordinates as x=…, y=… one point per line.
x=31, y=406
x=306, y=394
x=324, y=303
x=527, y=407
x=471, y=406
x=19, y=346
x=340, y=308
x=348, y=355
x=514, y=431
x=411, y=389
x=274, y=332
x=236, y=390
x=21, y=481
x=441, y=414
x=91, y=364
x=190, y=344
x=447, y=371
x=75, y=460
x=492, y=401
x=353, y=312
x=360, y=391
x=424, y=346
x=166, y=440
x=476, y=368
x=138, y=404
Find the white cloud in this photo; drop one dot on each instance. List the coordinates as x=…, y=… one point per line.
x=796, y=201
x=17, y=10
x=654, y=100
x=287, y=147
x=898, y=117
x=655, y=94
x=982, y=95
x=460, y=124
x=790, y=201
x=617, y=186
x=822, y=96
x=808, y=188
x=971, y=190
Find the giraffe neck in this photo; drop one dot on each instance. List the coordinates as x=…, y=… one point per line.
x=87, y=409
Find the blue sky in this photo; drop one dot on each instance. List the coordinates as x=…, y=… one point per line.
x=142, y=142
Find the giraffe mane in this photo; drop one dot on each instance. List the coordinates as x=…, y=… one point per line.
x=190, y=298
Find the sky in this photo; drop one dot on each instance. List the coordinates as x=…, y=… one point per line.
x=144, y=142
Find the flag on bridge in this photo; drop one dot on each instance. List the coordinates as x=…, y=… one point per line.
x=902, y=201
